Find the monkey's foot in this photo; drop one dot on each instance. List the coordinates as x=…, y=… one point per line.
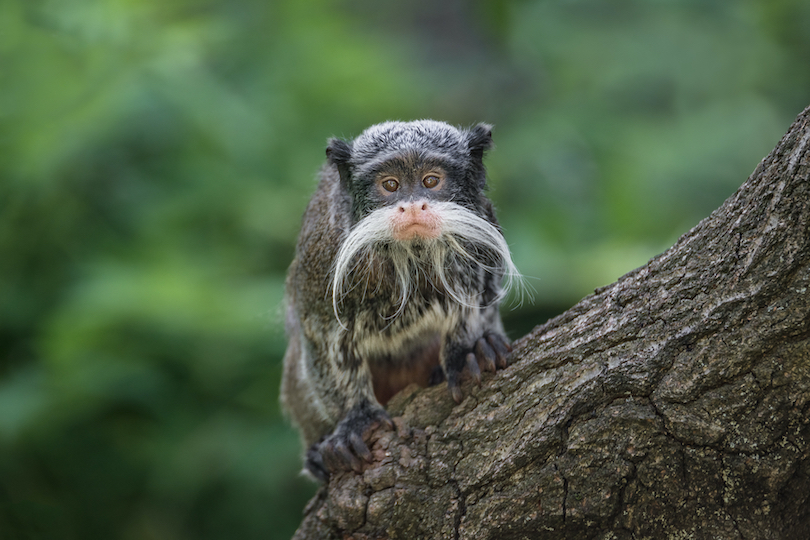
x=490, y=352
x=346, y=448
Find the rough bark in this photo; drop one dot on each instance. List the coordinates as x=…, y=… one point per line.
x=670, y=404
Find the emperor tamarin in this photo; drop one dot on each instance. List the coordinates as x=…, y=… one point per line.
x=396, y=279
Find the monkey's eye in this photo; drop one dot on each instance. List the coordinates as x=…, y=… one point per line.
x=390, y=184
x=430, y=181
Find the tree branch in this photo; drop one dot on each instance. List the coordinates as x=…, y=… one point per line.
x=671, y=403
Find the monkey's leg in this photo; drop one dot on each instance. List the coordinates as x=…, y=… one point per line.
x=346, y=446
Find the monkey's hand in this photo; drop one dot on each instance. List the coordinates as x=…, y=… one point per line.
x=346, y=447
x=490, y=352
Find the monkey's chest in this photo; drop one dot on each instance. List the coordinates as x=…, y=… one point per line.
x=408, y=349
x=419, y=365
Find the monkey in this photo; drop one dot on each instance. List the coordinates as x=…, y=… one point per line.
x=397, y=278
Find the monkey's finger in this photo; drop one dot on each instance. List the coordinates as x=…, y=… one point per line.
x=501, y=348
x=472, y=366
x=347, y=457
x=453, y=386
x=314, y=464
x=382, y=422
x=359, y=446
x=485, y=354
x=507, y=343
x=329, y=457
x=388, y=423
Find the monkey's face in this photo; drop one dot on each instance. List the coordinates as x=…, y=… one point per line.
x=409, y=181
x=408, y=188
x=416, y=195
x=423, y=215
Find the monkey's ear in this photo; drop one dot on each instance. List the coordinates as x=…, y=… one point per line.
x=338, y=153
x=479, y=139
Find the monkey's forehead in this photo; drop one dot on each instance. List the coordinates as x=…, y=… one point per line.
x=419, y=135
x=402, y=162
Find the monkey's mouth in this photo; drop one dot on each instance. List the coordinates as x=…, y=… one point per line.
x=411, y=231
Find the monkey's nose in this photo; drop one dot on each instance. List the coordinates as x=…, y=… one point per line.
x=415, y=219
x=414, y=207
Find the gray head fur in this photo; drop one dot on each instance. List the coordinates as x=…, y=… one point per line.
x=390, y=137
x=462, y=148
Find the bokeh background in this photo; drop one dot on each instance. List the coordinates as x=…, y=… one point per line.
x=156, y=157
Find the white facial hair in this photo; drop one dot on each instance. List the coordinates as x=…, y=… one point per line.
x=458, y=225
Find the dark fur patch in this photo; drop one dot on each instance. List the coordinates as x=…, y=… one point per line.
x=479, y=139
x=338, y=153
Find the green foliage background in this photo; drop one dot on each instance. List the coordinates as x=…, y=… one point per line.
x=156, y=157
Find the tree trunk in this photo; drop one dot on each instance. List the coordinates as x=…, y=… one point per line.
x=670, y=404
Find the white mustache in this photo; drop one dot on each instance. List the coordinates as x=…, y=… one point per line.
x=488, y=249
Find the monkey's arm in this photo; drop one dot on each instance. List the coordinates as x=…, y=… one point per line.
x=346, y=394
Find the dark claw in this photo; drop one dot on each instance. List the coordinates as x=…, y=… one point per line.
x=472, y=366
x=485, y=354
x=453, y=386
x=506, y=343
x=346, y=456
x=502, y=349
x=359, y=446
